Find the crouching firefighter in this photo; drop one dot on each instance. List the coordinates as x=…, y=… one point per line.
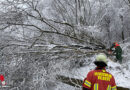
x=117, y=51
x=99, y=79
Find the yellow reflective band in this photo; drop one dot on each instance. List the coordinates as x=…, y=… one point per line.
x=87, y=83
x=103, y=76
x=96, y=86
x=114, y=88
x=103, y=70
x=109, y=87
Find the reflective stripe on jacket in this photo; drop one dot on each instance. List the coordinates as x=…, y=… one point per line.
x=99, y=80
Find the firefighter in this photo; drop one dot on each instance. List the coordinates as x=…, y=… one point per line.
x=2, y=80
x=99, y=79
x=118, y=51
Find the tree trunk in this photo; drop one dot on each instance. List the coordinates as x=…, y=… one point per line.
x=76, y=8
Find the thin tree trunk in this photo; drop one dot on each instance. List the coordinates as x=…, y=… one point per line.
x=76, y=8
x=122, y=36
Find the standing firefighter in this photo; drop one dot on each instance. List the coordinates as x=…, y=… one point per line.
x=118, y=51
x=2, y=80
x=99, y=79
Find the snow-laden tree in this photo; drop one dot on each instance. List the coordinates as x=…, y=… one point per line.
x=27, y=26
x=61, y=19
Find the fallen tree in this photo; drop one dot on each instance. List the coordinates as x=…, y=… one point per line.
x=77, y=82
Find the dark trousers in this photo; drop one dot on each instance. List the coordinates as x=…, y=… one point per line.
x=119, y=56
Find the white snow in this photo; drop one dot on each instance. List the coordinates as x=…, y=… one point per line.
x=121, y=74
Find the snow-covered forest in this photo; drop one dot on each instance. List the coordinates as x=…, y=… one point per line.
x=45, y=42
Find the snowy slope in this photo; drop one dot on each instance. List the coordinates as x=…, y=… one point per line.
x=119, y=71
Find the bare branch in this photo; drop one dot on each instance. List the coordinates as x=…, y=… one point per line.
x=52, y=32
x=42, y=19
x=3, y=28
x=64, y=23
x=35, y=41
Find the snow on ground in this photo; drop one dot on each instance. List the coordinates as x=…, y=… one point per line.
x=121, y=74
x=62, y=86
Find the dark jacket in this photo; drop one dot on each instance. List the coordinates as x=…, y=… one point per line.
x=117, y=48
